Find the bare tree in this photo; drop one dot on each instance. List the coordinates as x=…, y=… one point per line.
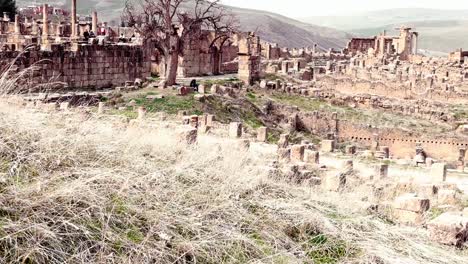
x=171, y=23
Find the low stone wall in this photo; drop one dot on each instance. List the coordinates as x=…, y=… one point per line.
x=402, y=144
x=395, y=90
x=90, y=67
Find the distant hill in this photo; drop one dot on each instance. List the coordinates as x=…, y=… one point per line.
x=440, y=30
x=385, y=17
x=271, y=27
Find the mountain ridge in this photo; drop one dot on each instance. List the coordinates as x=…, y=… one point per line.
x=271, y=27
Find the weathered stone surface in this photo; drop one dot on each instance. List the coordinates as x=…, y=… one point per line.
x=335, y=182
x=262, y=134
x=408, y=217
x=448, y=197
x=381, y=171
x=284, y=154
x=283, y=141
x=439, y=172
x=328, y=145
x=311, y=157
x=188, y=135
x=449, y=229
x=235, y=130
x=297, y=153
x=350, y=149
x=411, y=203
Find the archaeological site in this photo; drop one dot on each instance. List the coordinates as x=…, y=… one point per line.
x=207, y=131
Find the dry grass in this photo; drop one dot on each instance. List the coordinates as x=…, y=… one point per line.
x=77, y=188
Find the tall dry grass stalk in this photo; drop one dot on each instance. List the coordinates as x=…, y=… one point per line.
x=85, y=189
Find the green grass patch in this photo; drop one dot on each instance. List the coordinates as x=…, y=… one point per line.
x=251, y=120
x=223, y=82
x=273, y=77
x=324, y=250
x=170, y=104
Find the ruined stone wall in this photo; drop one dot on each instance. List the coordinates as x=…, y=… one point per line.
x=402, y=144
x=361, y=45
x=91, y=67
x=396, y=90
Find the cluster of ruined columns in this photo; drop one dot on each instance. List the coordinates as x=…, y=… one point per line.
x=74, y=26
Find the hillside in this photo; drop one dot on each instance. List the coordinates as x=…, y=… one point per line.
x=78, y=187
x=271, y=27
x=385, y=17
x=441, y=30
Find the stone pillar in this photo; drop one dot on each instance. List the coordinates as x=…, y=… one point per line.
x=34, y=29
x=101, y=108
x=17, y=25
x=415, y=43
x=235, y=130
x=438, y=172
x=461, y=159
x=58, y=30
x=262, y=134
x=45, y=20
x=95, y=22
x=141, y=113
x=74, y=34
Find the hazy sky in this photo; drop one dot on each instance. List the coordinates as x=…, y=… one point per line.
x=306, y=8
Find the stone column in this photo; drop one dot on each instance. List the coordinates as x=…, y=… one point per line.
x=45, y=21
x=94, y=23
x=58, y=30
x=17, y=25
x=415, y=36
x=34, y=27
x=74, y=34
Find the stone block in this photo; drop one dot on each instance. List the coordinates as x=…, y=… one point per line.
x=408, y=217
x=327, y=146
x=194, y=121
x=243, y=144
x=350, y=150
x=283, y=141
x=262, y=134
x=448, y=197
x=188, y=135
x=335, y=182
x=235, y=130
x=64, y=106
x=201, y=89
x=411, y=203
x=141, y=113
x=439, y=172
x=381, y=171
x=449, y=229
x=311, y=157
x=210, y=120
x=297, y=153
x=284, y=154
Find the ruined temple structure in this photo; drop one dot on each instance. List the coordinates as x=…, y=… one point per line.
x=458, y=56
x=83, y=52
x=403, y=46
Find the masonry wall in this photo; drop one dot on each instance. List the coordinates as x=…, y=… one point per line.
x=402, y=144
x=401, y=90
x=91, y=67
